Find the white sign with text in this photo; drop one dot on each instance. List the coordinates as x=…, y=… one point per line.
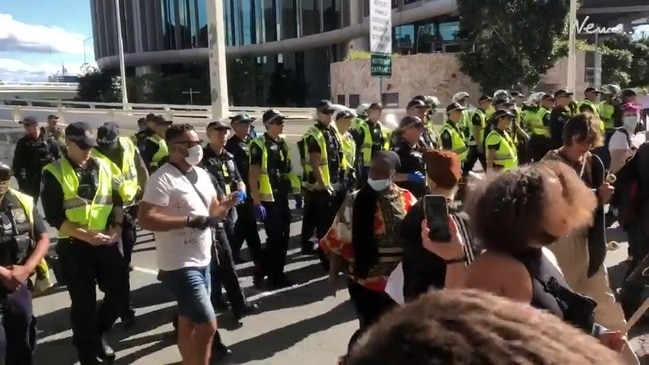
x=586, y=27
x=380, y=26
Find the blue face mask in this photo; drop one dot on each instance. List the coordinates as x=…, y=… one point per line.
x=378, y=185
x=631, y=121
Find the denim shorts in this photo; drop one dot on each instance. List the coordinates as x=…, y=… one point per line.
x=191, y=288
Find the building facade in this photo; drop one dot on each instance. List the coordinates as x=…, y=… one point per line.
x=279, y=51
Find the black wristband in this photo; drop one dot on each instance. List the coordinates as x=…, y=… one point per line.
x=456, y=261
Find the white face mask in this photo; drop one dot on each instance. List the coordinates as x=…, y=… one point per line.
x=631, y=122
x=195, y=155
x=378, y=185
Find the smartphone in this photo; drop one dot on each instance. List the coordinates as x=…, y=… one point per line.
x=436, y=212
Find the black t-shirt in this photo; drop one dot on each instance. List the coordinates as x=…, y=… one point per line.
x=411, y=161
x=558, y=118
x=334, y=152
x=217, y=165
x=241, y=152
x=278, y=163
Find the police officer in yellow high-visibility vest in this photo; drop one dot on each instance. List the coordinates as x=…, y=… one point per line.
x=155, y=149
x=129, y=170
x=462, y=98
x=476, y=139
x=451, y=137
x=24, y=244
x=501, y=149
x=344, y=120
x=370, y=136
x=272, y=181
x=80, y=202
x=325, y=171
x=537, y=121
x=590, y=104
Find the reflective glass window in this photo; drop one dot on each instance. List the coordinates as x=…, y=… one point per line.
x=169, y=23
x=331, y=14
x=403, y=39
x=247, y=14
x=448, y=31
x=289, y=19
x=270, y=21
x=310, y=17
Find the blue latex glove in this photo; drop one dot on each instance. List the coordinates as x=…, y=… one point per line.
x=260, y=212
x=298, y=201
x=241, y=196
x=416, y=177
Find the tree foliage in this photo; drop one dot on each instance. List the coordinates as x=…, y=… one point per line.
x=98, y=86
x=510, y=42
x=625, y=61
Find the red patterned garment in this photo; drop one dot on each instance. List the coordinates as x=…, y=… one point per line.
x=390, y=210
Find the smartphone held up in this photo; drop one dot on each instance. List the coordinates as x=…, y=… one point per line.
x=436, y=213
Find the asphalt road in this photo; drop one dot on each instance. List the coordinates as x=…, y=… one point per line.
x=301, y=324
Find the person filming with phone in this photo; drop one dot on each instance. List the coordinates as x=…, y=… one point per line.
x=181, y=206
x=423, y=269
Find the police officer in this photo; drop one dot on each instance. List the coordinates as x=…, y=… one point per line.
x=324, y=173
x=130, y=172
x=53, y=130
x=344, y=121
x=33, y=151
x=245, y=227
x=80, y=202
x=147, y=129
x=590, y=103
x=451, y=136
x=411, y=172
x=538, y=121
x=476, y=139
x=220, y=164
x=500, y=146
x=155, y=151
x=422, y=107
x=24, y=244
x=272, y=181
x=462, y=98
x=560, y=115
x=370, y=136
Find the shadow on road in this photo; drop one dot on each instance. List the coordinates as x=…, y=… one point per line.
x=266, y=345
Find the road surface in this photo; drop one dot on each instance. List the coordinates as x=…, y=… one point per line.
x=302, y=324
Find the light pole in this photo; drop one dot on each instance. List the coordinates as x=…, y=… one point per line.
x=571, y=79
x=122, y=66
x=218, y=75
x=85, y=61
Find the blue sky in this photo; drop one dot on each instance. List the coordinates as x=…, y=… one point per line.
x=38, y=36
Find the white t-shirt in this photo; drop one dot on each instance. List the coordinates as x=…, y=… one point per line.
x=645, y=102
x=620, y=141
x=170, y=189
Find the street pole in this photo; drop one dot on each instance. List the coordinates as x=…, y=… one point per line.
x=122, y=66
x=85, y=61
x=218, y=73
x=572, y=47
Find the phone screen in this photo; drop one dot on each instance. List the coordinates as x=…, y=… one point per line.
x=436, y=211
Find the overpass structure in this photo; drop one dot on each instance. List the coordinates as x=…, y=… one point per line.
x=38, y=90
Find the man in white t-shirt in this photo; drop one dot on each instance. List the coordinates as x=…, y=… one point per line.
x=181, y=206
x=621, y=145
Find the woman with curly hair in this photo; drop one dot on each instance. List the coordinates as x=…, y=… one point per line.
x=516, y=215
x=467, y=327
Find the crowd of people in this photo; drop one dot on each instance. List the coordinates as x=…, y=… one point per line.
x=532, y=231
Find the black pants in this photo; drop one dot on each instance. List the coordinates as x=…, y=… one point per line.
x=245, y=229
x=278, y=230
x=633, y=287
x=473, y=157
x=224, y=272
x=323, y=209
x=523, y=151
x=18, y=329
x=369, y=306
x=539, y=146
x=84, y=267
x=308, y=222
x=129, y=236
x=602, y=152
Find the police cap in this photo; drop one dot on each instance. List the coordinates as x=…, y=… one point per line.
x=107, y=134
x=272, y=116
x=80, y=133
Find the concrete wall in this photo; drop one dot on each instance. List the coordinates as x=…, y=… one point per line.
x=435, y=74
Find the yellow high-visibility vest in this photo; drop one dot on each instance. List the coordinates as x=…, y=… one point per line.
x=91, y=214
x=506, y=155
x=457, y=139
x=163, y=150
x=265, y=188
x=124, y=176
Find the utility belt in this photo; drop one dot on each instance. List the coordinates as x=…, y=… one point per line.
x=15, y=250
x=318, y=187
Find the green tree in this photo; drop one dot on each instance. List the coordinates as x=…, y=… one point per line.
x=98, y=86
x=626, y=61
x=509, y=43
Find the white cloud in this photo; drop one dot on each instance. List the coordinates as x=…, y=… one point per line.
x=16, y=70
x=17, y=36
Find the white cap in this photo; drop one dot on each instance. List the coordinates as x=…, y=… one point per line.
x=362, y=109
x=460, y=95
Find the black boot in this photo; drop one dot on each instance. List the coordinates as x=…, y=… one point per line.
x=105, y=352
x=219, y=350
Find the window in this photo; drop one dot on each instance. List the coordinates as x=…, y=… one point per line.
x=390, y=100
x=354, y=100
x=448, y=31
x=340, y=99
x=310, y=17
x=403, y=39
x=289, y=19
